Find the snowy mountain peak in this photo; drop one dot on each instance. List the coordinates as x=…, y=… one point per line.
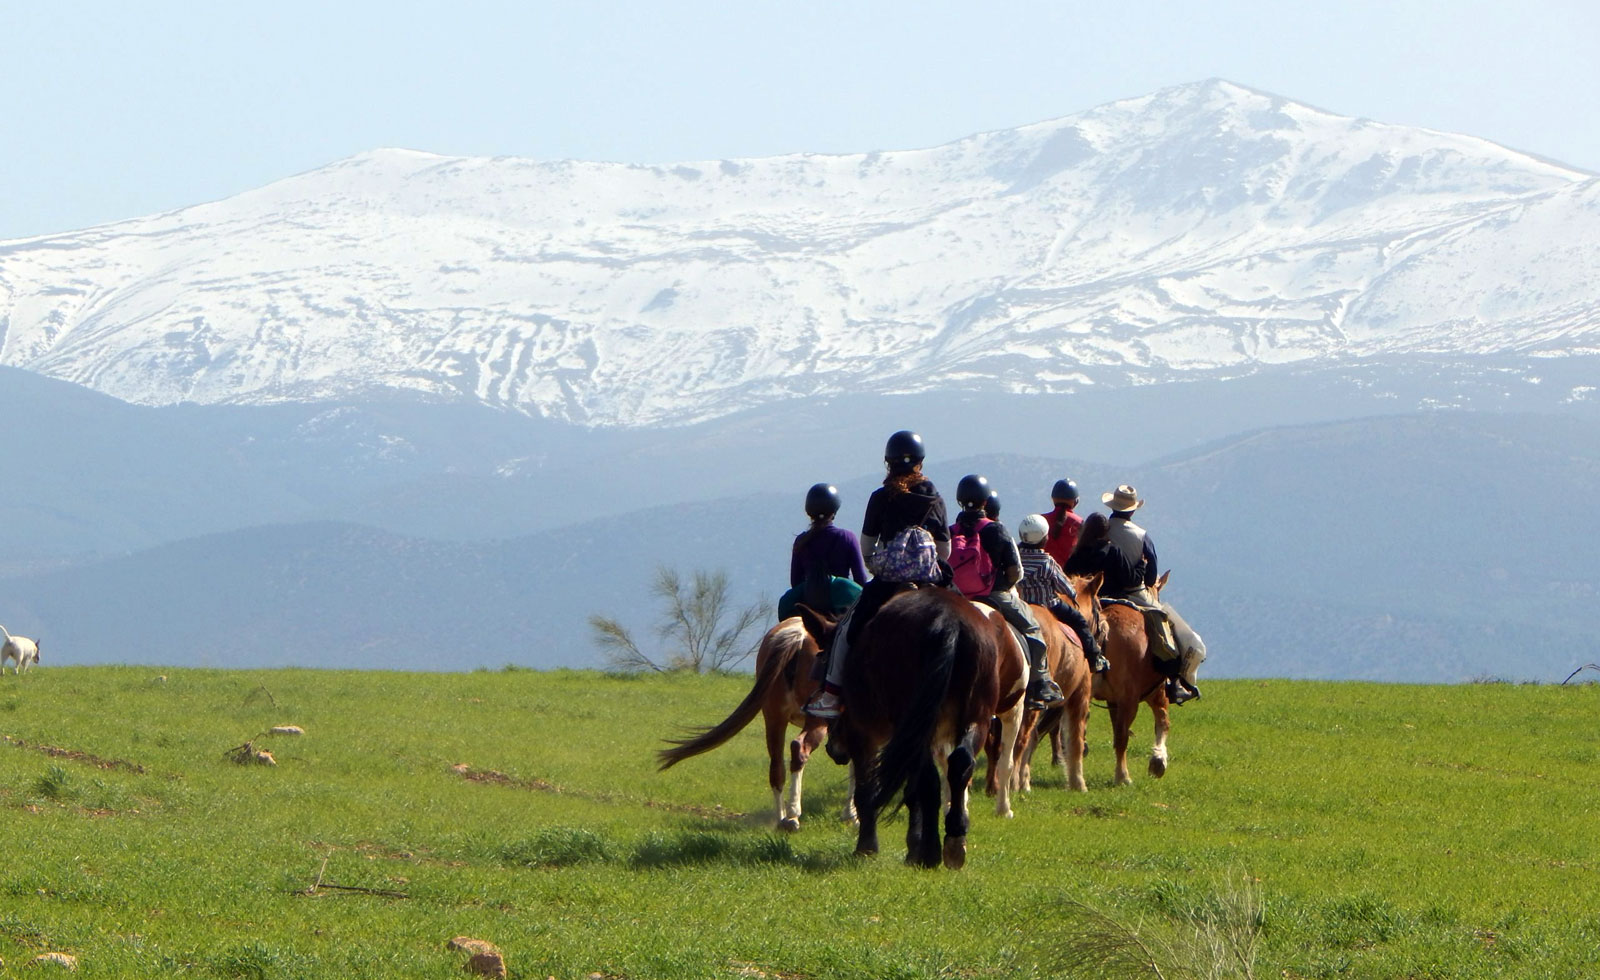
x=1206, y=227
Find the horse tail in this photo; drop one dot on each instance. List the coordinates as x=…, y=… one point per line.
x=908, y=748
x=778, y=649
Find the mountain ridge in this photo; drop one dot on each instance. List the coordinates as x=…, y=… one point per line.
x=1203, y=228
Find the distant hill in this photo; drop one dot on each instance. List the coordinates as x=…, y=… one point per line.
x=1426, y=547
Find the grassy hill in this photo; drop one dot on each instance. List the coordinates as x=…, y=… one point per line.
x=1387, y=831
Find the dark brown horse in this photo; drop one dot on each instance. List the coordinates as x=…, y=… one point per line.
x=782, y=686
x=1133, y=679
x=921, y=685
x=1069, y=720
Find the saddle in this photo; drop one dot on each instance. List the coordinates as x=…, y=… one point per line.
x=1157, y=631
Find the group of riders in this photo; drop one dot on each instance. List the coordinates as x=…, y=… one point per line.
x=907, y=538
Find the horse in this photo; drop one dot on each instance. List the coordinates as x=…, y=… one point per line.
x=1069, y=721
x=783, y=683
x=1000, y=743
x=1134, y=679
x=921, y=684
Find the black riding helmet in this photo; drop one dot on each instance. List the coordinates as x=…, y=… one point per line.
x=822, y=500
x=972, y=491
x=1064, y=490
x=991, y=507
x=903, y=451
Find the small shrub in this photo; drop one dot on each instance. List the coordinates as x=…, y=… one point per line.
x=55, y=784
x=258, y=961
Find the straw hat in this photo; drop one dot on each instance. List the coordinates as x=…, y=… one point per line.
x=1123, y=498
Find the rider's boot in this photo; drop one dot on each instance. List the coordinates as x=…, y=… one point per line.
x=826, y=703
x=1098, y=664
x=1180, y=690
x=1080, y=627
x=1042, y=688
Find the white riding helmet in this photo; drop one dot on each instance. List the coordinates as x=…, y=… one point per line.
x=1032, y=529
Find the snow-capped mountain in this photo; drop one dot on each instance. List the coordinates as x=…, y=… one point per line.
x=1203, y=229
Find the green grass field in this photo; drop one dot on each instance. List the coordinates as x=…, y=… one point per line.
x=1388, y=831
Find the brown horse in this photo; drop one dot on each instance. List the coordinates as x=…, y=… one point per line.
x=999, y=747
x=1068, y=721
x=1133, y=679
x=921, y=685
x=782, y=686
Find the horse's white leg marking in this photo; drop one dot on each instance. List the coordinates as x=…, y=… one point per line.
x=1010, y=722
x=1158, y=754
x=791, y=802
x=848, y=814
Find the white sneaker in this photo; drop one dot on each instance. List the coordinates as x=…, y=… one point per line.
x=824, y=704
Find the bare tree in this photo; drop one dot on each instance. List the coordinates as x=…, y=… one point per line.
x=701, y=630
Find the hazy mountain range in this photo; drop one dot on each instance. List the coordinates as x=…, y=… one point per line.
x=408, y=404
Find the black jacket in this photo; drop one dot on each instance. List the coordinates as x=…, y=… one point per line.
x=889, y=513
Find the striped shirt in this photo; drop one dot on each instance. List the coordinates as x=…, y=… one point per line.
x=1042, y=578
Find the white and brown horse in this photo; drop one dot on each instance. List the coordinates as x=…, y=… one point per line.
x=783, y=684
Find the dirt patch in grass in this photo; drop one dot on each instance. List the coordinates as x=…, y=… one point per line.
x=471, y=774
x=74, y=755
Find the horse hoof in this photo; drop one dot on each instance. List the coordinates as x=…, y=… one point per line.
x=789, y=824
x=1158, y=767
x=1124, y=780
x=955, y=853
x=866, y=854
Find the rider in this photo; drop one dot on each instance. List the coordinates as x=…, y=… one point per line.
x=1043, y=584
x=824, y=560
x=991, y=507
x=1064, y=525
x=904, y=538
x=1132, y=543
x=986, y=567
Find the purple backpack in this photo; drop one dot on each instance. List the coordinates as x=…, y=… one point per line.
x=910, y=556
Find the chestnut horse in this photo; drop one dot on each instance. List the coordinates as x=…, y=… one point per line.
x=1133, y=679
x=921, y=684
x=999, y=747
x=782, y=686
x=1068, y=721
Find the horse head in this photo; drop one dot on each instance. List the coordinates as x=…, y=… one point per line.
x=1088, y=588
x=818, y=624
x=1161, y=583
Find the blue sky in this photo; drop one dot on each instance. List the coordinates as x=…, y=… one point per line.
x=110, y=110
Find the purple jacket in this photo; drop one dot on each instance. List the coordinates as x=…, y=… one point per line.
x=837, y=548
